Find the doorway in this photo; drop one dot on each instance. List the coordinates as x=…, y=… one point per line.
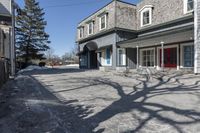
x=170, y=57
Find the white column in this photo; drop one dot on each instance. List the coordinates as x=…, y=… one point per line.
x=137, y=56
x=162, y=55
x=196, y=36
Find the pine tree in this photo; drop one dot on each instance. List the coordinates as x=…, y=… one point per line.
x=31, y=38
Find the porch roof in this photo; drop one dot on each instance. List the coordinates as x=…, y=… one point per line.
x=176, y=34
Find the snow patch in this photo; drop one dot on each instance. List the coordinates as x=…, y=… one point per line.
x=31, y=68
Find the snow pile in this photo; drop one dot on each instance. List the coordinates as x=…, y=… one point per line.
x=32, y=67
x=75, y=65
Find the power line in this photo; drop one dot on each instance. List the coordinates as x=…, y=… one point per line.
x=75, y=4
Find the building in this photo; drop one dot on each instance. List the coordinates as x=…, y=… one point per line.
x=99, y=34
x=7, y=47
x=156, y=33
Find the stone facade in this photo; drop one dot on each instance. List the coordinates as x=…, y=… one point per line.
x=120, y=15
x=162, y=11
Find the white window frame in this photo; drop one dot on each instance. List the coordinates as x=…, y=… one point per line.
x=92, y=28
x=124, y=56
x=100, y=18
x=145, y=9
x=182, y=54
x=81, y=31
x=186, y=7
x=141, y=57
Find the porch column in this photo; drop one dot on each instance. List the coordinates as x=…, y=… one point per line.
x=196, y=36
x=114, y=56
x=162, y=55
x=137, y=56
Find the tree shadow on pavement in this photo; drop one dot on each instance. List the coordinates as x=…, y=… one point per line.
x=139, y=100
x=130, y=102
x=78, y=119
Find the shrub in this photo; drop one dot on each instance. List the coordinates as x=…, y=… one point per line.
x=42, y=64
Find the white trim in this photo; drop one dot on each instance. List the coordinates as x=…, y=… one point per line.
x=182, y=54
x=169, y=46
x=185, y=4
x=89, y=28
x=100, y=17
x=150, y=16
x=146, y=6
x=124, y=56
x=81, y=29
x=141, y=57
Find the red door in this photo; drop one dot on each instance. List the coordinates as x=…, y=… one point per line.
x=170, y=57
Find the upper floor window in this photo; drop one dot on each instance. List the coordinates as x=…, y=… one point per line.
x=103, y=21
x=188, y=6
x=146, y=16
x=81, y=32
x=91, y=28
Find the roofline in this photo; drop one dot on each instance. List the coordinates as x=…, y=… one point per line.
x=105, y=6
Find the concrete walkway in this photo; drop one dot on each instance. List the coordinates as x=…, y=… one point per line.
x=79, y=101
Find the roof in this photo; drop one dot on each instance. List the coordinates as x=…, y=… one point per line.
x=105, y=6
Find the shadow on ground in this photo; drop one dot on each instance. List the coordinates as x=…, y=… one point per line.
x=76, y=119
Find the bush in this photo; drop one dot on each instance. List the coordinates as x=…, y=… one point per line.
x=42, y=64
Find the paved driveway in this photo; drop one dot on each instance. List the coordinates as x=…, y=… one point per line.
x=78, y=101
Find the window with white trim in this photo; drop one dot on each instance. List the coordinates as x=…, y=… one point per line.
x=188, y=55
x=148, y=58
x=103, y=22
x=91, y=28
x=146, y=16
x=188, y=6
x=81, y=32
x=121, y=57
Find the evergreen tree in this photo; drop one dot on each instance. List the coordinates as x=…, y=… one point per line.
x=31, y=38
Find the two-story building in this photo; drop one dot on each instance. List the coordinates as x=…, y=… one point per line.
x=153, y=33
x=99, y=33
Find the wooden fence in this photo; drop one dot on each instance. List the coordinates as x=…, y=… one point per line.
x=4, y=71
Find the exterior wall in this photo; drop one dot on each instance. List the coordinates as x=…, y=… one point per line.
x=126, y=16
x=120, y=15
x=5, y=7
x=197, y=36
x=122, y=36
x=163, y=11
x=101, y=41
x=110, y=9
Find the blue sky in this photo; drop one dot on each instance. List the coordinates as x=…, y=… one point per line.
x=62, y=17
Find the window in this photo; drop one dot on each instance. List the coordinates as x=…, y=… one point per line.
x=148, y=58
x=91, y=28
x=188, y=6
x=121, y=57
x=81, y=32
x=103, y=22
x=188, y=56
x=146, y=16
x=108, y=56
